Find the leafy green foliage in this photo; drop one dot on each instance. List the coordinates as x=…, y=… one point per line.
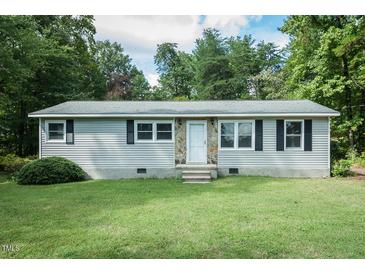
x=357, y=159
x=212, y=71
x=12, y=162
x=220, y=68
x=255, y=67
x=341, y=168
x=360, y=160
x=326, y=65
x=45, y=60
x=175, y=68
x=52, y=170
x=124, y=81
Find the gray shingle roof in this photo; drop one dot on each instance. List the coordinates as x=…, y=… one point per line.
x=181, y=108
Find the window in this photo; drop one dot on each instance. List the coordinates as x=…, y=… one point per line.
x=245, y=134
x=164, y=131
x=154, y=131
x=145, y=131
x=227, y=135
x=55, y=131
x=237, y=134
x=293, y=134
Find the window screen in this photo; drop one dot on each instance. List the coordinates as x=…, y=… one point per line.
x=245, y=134
x=293, y=134
x=144, y=131
x=56, y=131
x=164, y=131
x=227, y=134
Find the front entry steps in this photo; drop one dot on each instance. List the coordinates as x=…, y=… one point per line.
x=196, y=176
x=197, y=173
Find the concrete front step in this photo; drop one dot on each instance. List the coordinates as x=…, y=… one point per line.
x=197, y=173
x=201, y=167
x=196, y=182
x=196, y=177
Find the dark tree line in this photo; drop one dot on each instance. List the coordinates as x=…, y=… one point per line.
x=46, y=60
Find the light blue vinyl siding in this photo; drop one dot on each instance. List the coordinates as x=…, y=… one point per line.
x=269, y=157
x=101, y=143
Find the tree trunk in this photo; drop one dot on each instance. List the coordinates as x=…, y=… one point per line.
x=21, y=125
x=362, y=115
x=345, y=71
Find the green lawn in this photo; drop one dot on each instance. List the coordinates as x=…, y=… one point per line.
x=236, y=217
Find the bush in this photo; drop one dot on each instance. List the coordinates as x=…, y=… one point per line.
x=52, y=170
x=12, y=163
x=341, y=168
x=359, y=161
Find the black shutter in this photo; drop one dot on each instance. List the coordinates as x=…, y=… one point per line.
x=69, y=132
x=258, y=135
x=130, y=131
x=307, y=135
x=279, y=135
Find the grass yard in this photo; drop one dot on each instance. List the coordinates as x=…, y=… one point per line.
x=233, y=217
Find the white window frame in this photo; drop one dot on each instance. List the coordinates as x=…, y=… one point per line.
x=136, y=132
x=47, y=122
x=154, y=131
x=235, y=134
x=220, y=134
x=301, y=135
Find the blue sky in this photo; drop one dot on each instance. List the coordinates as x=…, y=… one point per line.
x=140, y=35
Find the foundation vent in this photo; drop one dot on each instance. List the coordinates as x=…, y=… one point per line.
x=141, y=170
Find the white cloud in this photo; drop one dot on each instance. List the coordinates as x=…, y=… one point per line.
x=143, y=33
x=228, y=25
x=152, y=79
x=278, y=38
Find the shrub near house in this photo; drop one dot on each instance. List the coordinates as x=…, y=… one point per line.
x=12, y=163
x=52, y=170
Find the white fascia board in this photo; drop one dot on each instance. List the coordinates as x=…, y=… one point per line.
x=183, y=115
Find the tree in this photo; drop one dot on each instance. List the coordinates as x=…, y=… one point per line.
x=45, y=61
x=123, y=80
x=175, y=70
x=267, y=85
x=219, y=68
x=266, y=79
x=325, y=64
x=254, y=67
x=242, y=56
x=212, y=71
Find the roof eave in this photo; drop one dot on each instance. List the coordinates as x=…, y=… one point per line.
x=110, y=115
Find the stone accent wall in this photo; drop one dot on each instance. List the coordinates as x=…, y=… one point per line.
x=180, y=141
x=212, y=140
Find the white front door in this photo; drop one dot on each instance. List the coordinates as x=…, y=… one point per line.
x=196, y=142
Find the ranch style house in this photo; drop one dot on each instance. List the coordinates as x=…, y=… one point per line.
x=197, y=140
